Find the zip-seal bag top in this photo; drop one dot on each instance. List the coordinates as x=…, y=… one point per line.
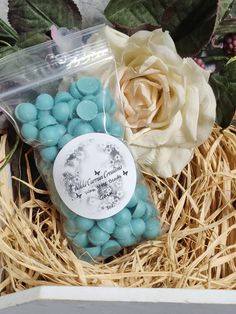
x=62, y=103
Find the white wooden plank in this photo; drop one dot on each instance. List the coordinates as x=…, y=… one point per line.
x=87, y=300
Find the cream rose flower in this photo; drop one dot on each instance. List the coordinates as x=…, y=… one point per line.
x=168, y=105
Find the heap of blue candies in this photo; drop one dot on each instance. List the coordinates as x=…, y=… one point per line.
x=86, y=108
x=106, y=237
x=55, y=121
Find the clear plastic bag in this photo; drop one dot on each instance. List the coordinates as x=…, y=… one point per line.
x=62, y=102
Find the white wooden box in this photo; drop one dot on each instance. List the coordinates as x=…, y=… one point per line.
x=101, y=300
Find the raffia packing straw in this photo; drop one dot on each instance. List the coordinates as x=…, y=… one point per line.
x=197, y=213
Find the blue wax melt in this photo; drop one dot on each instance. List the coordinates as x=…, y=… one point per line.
x=123, y=217
x=132, y=202
x=29, y=132
x=87, y=110
x=113, y=108
x=61, y=129
x=88, y=85
x=137, y=227
x=43, y=122
x=97, y=236
x=26, y=112
x=61, y=111
x=101, y=123
x=94, y=251
x=70, y=235
x=116, y=130
x=141, y=192
x=128, y=241
x=84, y=224
x=150, y=211
x=74, y=91
x=34, y=123
x=70, y=226
x=139, y=210
x=44, y=102
x=43, y=113
x=63, y=97
x=64, y=140
x=103, y=100
x=110, y=248
x=122, y=232
x=107, y=224
x=152, y=229
x=81, y=239
x=72, y=124
x=73, y=105
x=49, y=136
x=82, y=128
x=90, y=97
x=49, y=153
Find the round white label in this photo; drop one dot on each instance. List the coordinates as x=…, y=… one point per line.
x=95, y=175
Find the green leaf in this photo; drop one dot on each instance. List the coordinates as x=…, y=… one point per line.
x=191, y=24
x=8, y=35
x=133, y=15
x=224, y=87
x=222, y=10
x=38, y=15
x=6, y=50
x=31, y=39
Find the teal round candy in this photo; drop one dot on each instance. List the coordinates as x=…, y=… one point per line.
x=43, y=113
x=82, y=128
x=72, y=124
x=88, y=85
x=123, y=217
x=137, y=227
x=26, y=112
x=74, y=91
x=93, y=251
x=64, y=140
x=81, y=239
x=141, y=192
x=29, y=132
x=116, y=129
x=72, y=105
x=70, y=226
x=139, y=210
x=152, y=229
x=61, y=129
x=113, y=108
x=97, y=236
x=43, y=122
x=110, y=248
x=132, y=202
x=103, y=100
x=150, y=211
x=84, y=224
x=65, y=210
x=107, y=224
x=49, y=153
x=122, y=232
x=61, y=112
x=49, y=136
x=63, y=97
x=87, y=110
x=34, y=123
x=44, y=102
x=101, y=123
x=90, y=97
x=70, y=235
x=128, y=241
